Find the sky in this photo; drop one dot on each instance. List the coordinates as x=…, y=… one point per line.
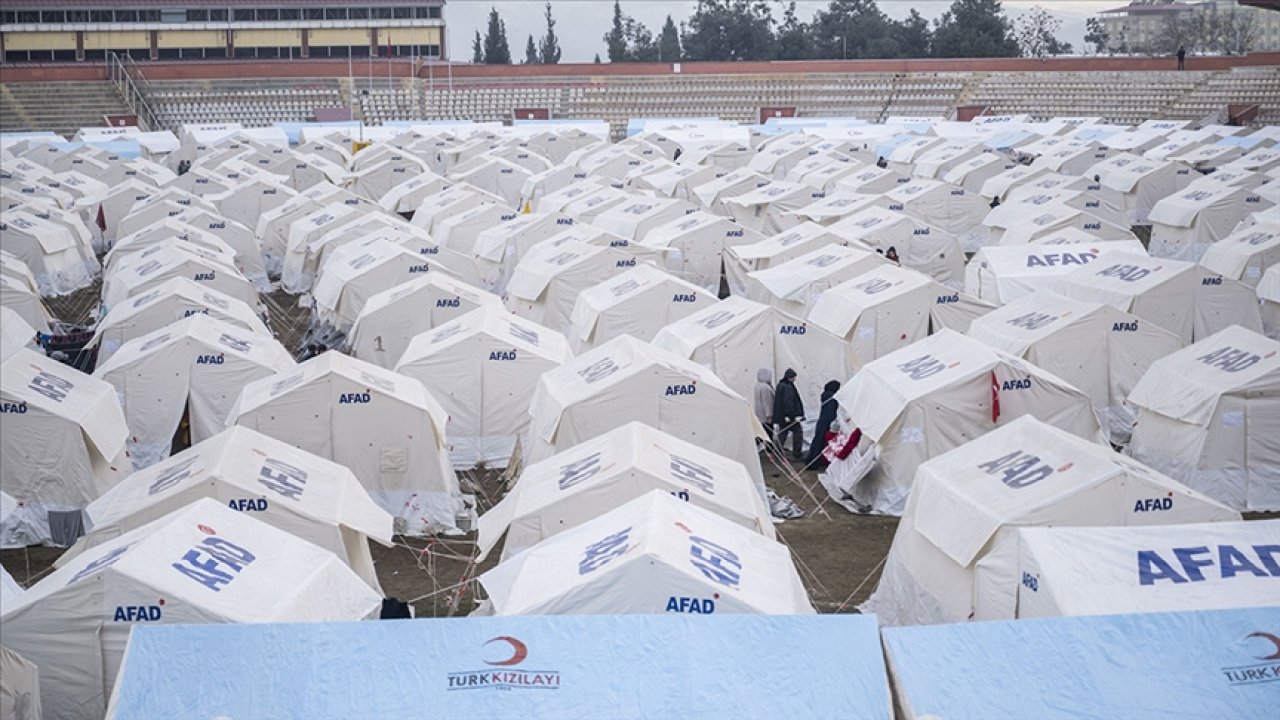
x=581, y=24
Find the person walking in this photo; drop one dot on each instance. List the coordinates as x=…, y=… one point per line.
x=763, y=399
x=788, y=413
x=826, y=416
x=1182, y=58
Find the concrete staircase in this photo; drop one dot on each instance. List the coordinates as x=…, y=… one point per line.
x=60, y=107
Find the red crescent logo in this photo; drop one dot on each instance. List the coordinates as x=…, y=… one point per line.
x=1274, y=640
x=518, y=651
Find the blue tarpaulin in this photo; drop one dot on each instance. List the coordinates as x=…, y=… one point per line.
x=529, y=668
x=1212, y=665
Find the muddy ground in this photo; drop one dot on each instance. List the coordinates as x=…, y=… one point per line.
x=836, y=552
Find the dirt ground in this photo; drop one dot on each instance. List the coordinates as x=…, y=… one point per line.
x=836, y=553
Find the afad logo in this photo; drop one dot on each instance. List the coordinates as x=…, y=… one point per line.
x=505, y=653
x=1266, y=647
x=138, y=613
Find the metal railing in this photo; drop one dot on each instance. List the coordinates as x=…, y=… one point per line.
x=134, y=87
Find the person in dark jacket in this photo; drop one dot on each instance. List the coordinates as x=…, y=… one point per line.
x=826, y=416
x=788, y=412
x=1182, y=58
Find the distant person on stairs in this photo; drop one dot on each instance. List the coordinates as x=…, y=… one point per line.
x=1182, y=58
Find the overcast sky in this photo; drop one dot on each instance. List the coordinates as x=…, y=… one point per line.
x=581, y=24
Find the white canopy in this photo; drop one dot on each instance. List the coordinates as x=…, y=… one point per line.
x=202, y=564
x=1001, y=274
x=1245, y=254
x=742, y=259
x=358, y=271
x=1209, y=415
x=389, y=319
x=1136, y=184
x=598, y=475
x=942, y=205
x=654, y=554
x=937, y=394
x=483, y=367
x=918, y=245
x=693, y=246
x=638, y=302
x=147, y=270
x=19, y=684
x=549, y=278
x=1268, y=291
x=305, y=495
x=955, y=554
x=1202, y=566
x=1184, y=225
x=193, y=371
x=61, y=261
x=382, y=425
x=795, y=285
x=20, y=293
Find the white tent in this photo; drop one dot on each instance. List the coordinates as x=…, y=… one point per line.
x=1136, y=184
x=391, y=318
x=737, y=337
x=275, y=224
x=776, y=158
x=501, y=247
x=1181, y=297
x=973, y=173
x=407, y=195
x=191, y=371
x=998, y=186
x=766, y=209
x=902, y=157
x=1001, y=274
x=678, y=182
x=1073, y=157
x=593, y=477
x=626, y=379
x=202, y=564
x=15, y=332
x=20, y=293
x=1268, y=292
x=63, y=445
x=166, y=304
x=890, y=307
x=19, y=686
x=795, y=285
x=382, y=425
x=942, y=205
x=147, y=270
x=829, y=209
x=482, y=368
x=1209, y=415
x=742, y=259
x=1027, y=218
x=358, y=271
x=653, y=555
x=1184, y=225
x=954, y=556
x=693, y=247
x=549, y=278
x=246, y=203
x=61, y=261
x=1095, y=347
x=459, y=231
x=712, y=194
x=823, y=171
x=119, y=202
x=1245, y=254
x=638, y=302
x=919, y=245
x=238, y=237
x=373, y=182
x=305, y=495
x=166, y=202
x=161, y=234
x=871, y=180
x=1091, y=571
x=937, y=394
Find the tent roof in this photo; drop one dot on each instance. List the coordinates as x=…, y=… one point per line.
x=41, y=382
x=494, y=323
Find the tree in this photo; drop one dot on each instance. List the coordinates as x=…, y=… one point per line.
x=641, y=46
x=669, y=43
x=974, y=28
x=1236, y=30
x=913, y=36
x=795, y=40
x=853, y=29
x=477, y=50
x=549, y=47
x=616, y=39
x=496, y=49
x=531, y=53
x=1095, y=33
x=1036, y=32
x=729, y=30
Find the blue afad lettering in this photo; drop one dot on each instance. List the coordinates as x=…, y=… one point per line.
x=577, y=471
x=448, y=302
x=1152, y=504
x=214, y=563
x=681, y=389
x=503, y=354
x=1056, y=259
x=1018, y=469
x=628, y=262
x=18, y=408
x=248, y=504
x=210, y=359
x=1016, y=384
x=946, y=299
x=1231, y=359
x=1127, y=273
x=922, y=367
x=200, y=277
x=792, y=330
x=1211, y=281
x=351, y=398
x=716, y=562
x=137, y=613
x=598, y=554
x=691, y=605
x=420, y=268
x=1230, y=562
x=1031, y=582
x=282, y=478
x=684, y=298
x=1125, y=326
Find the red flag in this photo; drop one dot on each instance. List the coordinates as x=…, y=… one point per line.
x=102, y=219
x=995, y=398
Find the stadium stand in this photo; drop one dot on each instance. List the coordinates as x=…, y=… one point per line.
x=28, y=106
x=253, y=103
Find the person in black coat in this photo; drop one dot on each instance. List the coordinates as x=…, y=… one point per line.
x=788, y=413
x=826, y=416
